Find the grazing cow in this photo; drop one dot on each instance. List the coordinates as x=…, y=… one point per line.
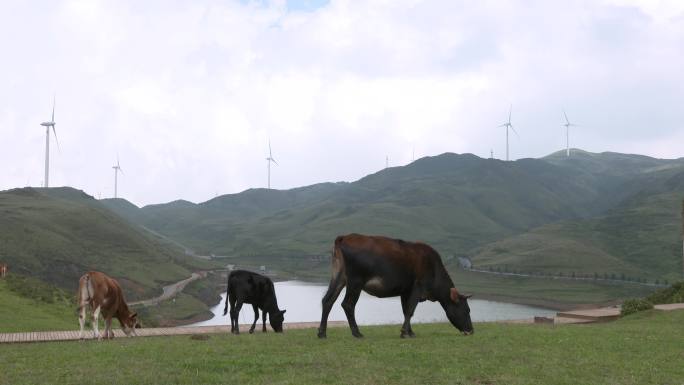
x=386, y=267
x=247, y=287
x=3, y=270
x=103, y=294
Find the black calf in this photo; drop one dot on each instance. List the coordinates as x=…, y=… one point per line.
x=257, y=290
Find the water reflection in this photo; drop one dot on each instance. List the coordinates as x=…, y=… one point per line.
x=303, y=303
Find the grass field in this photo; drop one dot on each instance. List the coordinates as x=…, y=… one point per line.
x=645, y=348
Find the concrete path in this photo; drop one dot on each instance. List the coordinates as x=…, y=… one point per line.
x=669, y=306
x=72, y=335
x=604, y=314
x=596, y=315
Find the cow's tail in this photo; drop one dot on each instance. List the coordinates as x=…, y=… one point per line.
x=84, y=295
x=337, y=258
x=225, y=309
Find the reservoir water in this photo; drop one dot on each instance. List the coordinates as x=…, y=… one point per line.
x=302, y=301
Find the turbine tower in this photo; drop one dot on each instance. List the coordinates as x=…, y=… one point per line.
x=567, y=133
x=47, y=126
x=117, y=170
x=508, y=125
x=268, y=161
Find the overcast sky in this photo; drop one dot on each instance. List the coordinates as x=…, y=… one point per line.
x=188, y=93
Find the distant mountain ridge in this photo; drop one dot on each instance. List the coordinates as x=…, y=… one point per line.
x=461, y=204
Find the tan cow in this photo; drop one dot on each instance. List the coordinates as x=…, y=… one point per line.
x=103, y=294
x=3, y=270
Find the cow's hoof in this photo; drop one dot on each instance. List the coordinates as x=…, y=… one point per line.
x=251, y=331
x=321, y=333
x=357, y=334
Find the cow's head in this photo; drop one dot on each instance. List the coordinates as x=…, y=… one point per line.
x=131, y=323
x=276, y=319
x=458, y=311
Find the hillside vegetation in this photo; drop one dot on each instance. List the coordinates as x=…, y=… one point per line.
x=57, y=234
x=591, y=214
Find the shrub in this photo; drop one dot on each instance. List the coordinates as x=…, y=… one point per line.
x=634, y=305
x=672, y=294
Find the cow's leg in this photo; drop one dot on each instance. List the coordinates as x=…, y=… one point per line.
x=234, y=314
x=109, y=334
x=263, y=321
x=81, y=320
x=408, y=305
x=256, y=318
x=231, y=300
x=96, y=320
x=349, y=304
x=334, y=288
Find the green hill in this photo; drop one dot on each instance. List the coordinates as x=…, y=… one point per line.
x=639, y=238
x=57, y=234
x=589, y=213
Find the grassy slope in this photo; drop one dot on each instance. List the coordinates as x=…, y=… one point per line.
x=19, y=313
x=58, y=234
x=547, y=292
x=642, y=349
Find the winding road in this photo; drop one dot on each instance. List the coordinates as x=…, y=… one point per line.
x=169, y=291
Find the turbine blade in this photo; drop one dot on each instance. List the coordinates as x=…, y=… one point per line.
x=274, y=161
x=516, y=132
x=54, y=97
x=56, y=140
x=269, y=149
x=510, y=111
x=566, y=117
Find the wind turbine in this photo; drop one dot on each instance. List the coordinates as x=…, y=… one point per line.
x=268, y=161
x=47, y=126
x=508, y=125
x=567, y=133
x=117, y=170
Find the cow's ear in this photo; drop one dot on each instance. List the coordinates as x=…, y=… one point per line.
x=283, y=311
x=453, y=293
x=467, y=296
x=134, y=315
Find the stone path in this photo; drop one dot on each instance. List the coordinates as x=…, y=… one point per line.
x=72, y=335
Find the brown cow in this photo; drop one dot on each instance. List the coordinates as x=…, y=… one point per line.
x=385, y=267
x=3, y=270
x=103, y=294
